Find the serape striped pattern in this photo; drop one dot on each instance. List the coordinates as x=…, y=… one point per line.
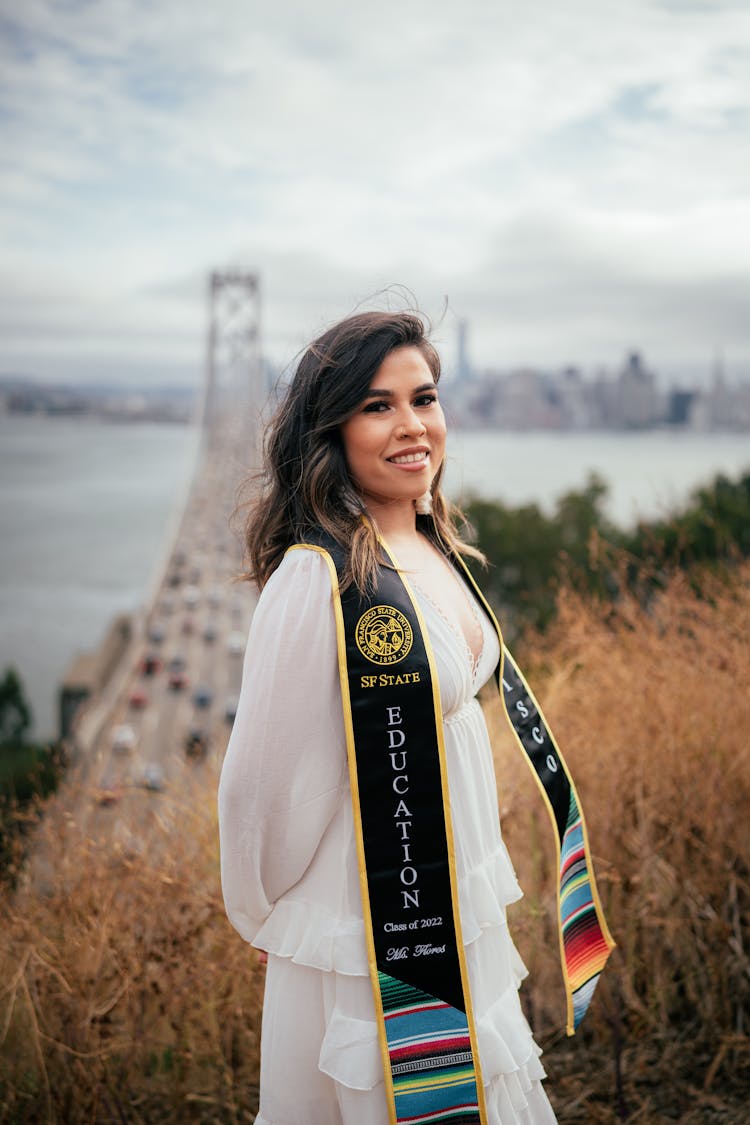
x=430, y=1052
x=584, y=947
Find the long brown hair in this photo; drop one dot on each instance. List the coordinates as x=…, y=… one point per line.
x=305, y=485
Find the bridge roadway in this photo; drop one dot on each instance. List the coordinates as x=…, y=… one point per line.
x=154, y=747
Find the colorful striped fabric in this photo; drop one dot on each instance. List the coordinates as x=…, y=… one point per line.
x=430, y=1053
x=585, y=941
x=584, y=946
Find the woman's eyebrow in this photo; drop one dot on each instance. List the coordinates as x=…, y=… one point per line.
x=374, y=393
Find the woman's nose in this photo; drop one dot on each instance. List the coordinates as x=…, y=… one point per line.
x=411, y=424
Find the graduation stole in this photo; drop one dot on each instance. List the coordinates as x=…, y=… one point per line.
x=398, y=773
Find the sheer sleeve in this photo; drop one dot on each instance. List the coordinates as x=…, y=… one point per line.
x=285, y=765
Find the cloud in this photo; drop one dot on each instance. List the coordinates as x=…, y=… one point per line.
x=567, y=176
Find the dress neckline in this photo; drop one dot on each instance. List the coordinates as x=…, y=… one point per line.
x=473, y=661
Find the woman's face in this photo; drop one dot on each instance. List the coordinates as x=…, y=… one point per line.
x=395, y=442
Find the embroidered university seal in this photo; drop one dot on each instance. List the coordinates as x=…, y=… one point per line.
x=384, y=635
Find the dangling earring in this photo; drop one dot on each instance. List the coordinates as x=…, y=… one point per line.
x=352, y=502
x=424, y=504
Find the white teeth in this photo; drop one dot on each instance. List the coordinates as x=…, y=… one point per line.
x=408, y=458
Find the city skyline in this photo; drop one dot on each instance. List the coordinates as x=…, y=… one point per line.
x=574, y=185
x=630, y=396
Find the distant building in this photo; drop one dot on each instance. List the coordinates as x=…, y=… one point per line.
x=573, y=399
x=530, y=402
x=637, y=401
x=463, y=367
x=680, y=404
x=600, y=400
x=722, y=407
x=721, y=399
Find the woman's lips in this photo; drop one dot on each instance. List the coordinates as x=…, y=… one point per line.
x=413, y=459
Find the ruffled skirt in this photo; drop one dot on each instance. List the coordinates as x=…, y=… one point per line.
x=320, y=1054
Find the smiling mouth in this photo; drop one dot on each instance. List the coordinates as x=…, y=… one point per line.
x=409, y=458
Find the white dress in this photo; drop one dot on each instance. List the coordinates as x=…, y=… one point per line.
x=289, y=870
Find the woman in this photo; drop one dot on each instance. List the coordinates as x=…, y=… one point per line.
x=354, y=459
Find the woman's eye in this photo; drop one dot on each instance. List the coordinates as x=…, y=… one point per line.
x=376, y=407
x=425, y=400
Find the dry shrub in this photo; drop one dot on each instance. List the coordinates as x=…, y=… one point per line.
x=126, y=995
x=651, y=708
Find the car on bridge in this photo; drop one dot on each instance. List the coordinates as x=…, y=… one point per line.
x=236, y=643
x=124, y=739
x=150, y=664
x=192, y=596
x=196, y=742
x=202, y=696
x=156, y=632
x=177, y=677
x=153, y=777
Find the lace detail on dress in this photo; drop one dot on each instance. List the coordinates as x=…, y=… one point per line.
x=472, y=661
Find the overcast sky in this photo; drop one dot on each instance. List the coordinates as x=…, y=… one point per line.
x=572, y=178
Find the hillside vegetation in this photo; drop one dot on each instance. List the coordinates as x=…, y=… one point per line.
x=651, y=710
x=531, y=551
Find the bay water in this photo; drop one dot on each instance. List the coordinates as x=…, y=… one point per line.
x=86, y=508
x=649, y=474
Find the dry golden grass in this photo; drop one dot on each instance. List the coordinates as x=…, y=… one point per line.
x=652, y=712
x=125, y=996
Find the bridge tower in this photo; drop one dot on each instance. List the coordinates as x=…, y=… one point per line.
x=234, y=387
